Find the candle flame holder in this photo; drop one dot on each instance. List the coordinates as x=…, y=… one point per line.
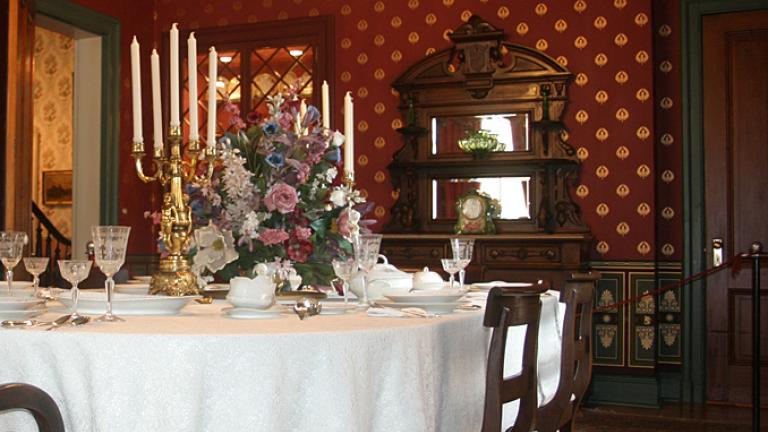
x=174, y=277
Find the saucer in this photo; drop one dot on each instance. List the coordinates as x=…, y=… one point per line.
x=250, y=313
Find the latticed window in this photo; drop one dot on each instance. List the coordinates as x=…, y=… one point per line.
x=259, y=60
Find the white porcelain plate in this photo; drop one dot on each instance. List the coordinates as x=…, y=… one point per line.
x=128, y=304
x=132, y=288
x=18, y=302
x=433, y=307
x=249, y=313
x=486, y=286
x=337, y=308
x=441, y=296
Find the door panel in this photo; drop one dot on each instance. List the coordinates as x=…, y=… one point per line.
x=736, y=196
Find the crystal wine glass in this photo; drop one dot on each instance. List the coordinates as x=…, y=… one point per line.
x=367, y=254
x=450, y=266
x=74, y=271
x=462, y=253
x=11, y=247
x=36, y=266
x=110, y=243
x=345, y=268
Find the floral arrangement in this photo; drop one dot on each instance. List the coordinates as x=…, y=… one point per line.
x=275, y=195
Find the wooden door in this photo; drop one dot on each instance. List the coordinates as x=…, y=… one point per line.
x=16, y=142
x=736, y=192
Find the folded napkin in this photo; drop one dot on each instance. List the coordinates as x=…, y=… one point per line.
x=410, y=312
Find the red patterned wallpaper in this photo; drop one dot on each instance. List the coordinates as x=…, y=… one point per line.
x=615, y=116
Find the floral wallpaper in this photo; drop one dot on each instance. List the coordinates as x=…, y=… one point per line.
x=54, y=59
x=623, y=115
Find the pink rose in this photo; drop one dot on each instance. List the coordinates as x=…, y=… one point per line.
x=281, y=197
x=303, y=233
x=273, y=236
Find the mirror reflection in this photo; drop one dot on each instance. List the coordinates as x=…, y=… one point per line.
x=511, y=129
x=511, y=192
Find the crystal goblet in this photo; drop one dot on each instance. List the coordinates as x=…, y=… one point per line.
x=36, y=266
x=462, y=253
x=11, y=248
x=450, y=266
x=367, y=254
x=74, y=271
x=110, y=244
x=345, y=268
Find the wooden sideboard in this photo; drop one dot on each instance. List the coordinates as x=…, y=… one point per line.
x=507, y=257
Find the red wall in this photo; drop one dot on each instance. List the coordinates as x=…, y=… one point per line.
x=616, y=135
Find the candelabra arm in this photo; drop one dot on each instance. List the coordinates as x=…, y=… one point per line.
x=138, y=155
x=210, y=157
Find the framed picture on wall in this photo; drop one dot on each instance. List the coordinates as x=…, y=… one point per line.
x=57, y=187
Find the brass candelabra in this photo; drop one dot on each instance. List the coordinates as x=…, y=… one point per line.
x=174, y=277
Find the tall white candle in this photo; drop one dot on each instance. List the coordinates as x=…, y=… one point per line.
x=302, y=113
x=157, y=114
x=192, y=64
x=326, y=106
x=212, y=76
x=174, y=76
x=349, y=135
x=136, y=88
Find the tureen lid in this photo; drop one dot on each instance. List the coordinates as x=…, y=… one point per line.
x=386, y=270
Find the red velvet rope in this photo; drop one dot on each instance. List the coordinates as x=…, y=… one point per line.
x=734, y=262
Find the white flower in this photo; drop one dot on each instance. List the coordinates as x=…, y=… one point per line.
x=354, y=218
x=339, y=197
x=251, y=225
x=215, y=249
x=337, y=139
x=330, y=174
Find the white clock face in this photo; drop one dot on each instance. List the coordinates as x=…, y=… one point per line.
x=472, y=208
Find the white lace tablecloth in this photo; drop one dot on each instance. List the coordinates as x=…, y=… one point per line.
x=202, y=371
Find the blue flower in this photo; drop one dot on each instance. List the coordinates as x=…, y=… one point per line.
x=269, y=128
x=275, y=160
x=333, y=155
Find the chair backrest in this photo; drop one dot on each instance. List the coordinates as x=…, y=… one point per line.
x=512, y=307
x=35, y=400
x=576, y=353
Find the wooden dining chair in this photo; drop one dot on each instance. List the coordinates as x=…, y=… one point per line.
x=512, y=307
x=38, y=402
x=578, y=296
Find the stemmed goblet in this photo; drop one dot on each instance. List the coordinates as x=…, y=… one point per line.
x=450, y=266
x=36, y=266
x=74, y=271
x=345, y=268
x=11, y=247
x=367, y=254
x=110, y=243
x=462, y=253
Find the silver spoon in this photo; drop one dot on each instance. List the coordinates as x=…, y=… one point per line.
x=80, y=320
x=59, y=321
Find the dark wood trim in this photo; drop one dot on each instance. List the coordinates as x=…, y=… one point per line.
x=4, y=28
x=694, y=241
x=109, y=30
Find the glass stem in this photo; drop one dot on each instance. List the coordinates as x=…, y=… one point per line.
x=35, y=286
x=345, y=288
x=9, y=278
x=75, y=296
x=365, y=288
x=461, y=279
x=110, y=283
x=451, y=279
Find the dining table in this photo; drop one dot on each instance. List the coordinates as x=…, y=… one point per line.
x=201, y=370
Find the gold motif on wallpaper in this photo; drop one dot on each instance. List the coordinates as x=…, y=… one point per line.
x=669, y=333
